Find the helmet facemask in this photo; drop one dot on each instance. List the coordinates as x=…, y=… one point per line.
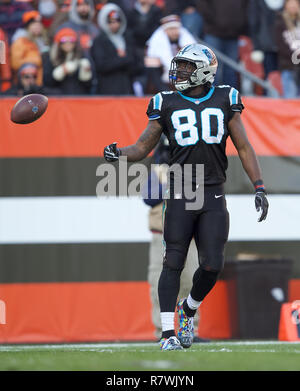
x=181, y=72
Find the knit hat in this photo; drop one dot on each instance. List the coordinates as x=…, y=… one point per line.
x=31, y=16
x=27, y=67
x=113, y=15
x=65, y=35
x=170, y=21
x=64, y=5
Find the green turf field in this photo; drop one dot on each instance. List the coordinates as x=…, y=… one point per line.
x=213, y=356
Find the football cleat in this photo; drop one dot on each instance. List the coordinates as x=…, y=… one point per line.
x=186, y=326
x=170, y=343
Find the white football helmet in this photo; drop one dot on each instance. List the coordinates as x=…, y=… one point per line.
x=206, y=64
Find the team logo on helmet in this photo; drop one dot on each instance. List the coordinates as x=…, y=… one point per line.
x=210, y=55
x=185, y=49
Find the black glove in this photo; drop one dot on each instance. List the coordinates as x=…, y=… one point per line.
x=111, y=152
x=261, y=204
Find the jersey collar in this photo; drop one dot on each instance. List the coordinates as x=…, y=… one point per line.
x=197, y=101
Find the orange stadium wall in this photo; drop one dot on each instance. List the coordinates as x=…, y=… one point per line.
x=82, y=127
x=70, y=312
x=36, y=311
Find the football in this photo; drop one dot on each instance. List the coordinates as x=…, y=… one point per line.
x=29, y=108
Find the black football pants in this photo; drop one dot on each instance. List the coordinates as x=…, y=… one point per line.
x=209, y=226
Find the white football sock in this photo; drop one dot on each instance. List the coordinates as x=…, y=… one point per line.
x=167, y=321
x=193, y=304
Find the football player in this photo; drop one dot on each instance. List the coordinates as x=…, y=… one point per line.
x=197, y=118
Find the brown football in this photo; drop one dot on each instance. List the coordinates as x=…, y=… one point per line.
x=29, y=108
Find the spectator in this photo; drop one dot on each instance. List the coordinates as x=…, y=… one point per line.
x=164, y=43
x=224, y=22
x=190, y=17
x=5, y=69
x=30, y=45
x=288, y=41
x=66, y=68
x=26, y=82
x=262, y=15
x=143, y=20
x=81, y=16
x=11, y=13
x=61, y=16
x=114, y=53
x=42, y=39
x=47, y=9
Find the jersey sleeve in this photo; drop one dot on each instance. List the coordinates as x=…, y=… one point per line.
x=155, y=107
x=235, y=101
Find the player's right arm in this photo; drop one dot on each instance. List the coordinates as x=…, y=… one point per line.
x=148, y=139
x=146, y=142
x=138, y=151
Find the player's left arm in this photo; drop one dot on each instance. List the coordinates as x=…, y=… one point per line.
x=245, y=150
x=250, y=162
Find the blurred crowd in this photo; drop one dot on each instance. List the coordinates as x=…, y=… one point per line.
x=124, y=47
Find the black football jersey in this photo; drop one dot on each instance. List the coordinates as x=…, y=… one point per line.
x=197, y=128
